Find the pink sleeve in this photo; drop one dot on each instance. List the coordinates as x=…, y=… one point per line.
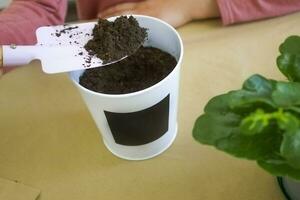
x=235, y=11
x=19, y=21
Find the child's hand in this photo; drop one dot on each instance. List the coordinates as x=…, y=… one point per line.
x=175, y=12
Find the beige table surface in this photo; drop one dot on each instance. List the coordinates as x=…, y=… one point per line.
x=49, y=141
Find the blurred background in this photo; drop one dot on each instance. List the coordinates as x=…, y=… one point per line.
x=4, y=3
x=71, y=16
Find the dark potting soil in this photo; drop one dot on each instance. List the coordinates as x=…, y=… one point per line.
x=141, y=70
x=114, y=40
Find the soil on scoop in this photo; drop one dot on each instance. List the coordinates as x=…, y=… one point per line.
x=141, y=70
x=113, y=40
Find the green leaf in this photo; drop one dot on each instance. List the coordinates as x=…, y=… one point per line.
x=289, y=65
x=256, y=92
x=289, y=60
x=290, y=45
x=243, y=100
x=208, y=129
x=218, y=105
x=280, y=169
x=287, y=122
x=290, y=148
x=257, y=121
x=256, y=147
x=254, y=123
x=286, y=94
x=294, y=109
x=217, y=122
x=259, y=84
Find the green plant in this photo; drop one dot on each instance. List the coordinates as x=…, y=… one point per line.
x=261, y=121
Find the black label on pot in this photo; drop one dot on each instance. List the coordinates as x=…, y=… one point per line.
x=141, y=127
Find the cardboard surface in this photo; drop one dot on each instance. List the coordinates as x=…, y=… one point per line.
x=13, y=190
x=49, y=141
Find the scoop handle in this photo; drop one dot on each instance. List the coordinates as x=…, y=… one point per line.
x=13, y=55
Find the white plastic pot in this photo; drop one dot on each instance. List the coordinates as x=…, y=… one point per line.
x=142, y=124
x=290, y=188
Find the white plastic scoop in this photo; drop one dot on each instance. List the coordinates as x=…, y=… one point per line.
x=59, y=48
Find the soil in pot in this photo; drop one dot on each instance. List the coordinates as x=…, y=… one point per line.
x=114, y=40
x=141, y=70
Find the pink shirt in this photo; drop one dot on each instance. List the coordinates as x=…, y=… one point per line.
x=235, y=11
x=19, y=21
